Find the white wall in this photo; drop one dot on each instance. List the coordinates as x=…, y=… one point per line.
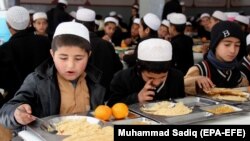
x=153, y=6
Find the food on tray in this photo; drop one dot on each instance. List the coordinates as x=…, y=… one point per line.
x=197, y=48
x=228, y=94
x=120, y=110
x=166, y=108
x=81, y=129
x=221, y=109
x=103, y=112
x=230, y=98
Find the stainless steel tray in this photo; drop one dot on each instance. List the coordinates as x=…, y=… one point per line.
x=196, y=101
x=198, y=114
x=36, y=129
x=135, y=121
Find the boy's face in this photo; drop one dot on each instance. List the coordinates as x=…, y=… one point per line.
x=157, y=78
x=40, y=25
x=70, y=61
x=227, y=49
x=109, y=29
x=163, y=32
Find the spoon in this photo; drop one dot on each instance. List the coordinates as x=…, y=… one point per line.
x=47, y=126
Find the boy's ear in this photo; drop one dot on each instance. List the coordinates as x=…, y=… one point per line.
x=147, y=30
x=51, y=53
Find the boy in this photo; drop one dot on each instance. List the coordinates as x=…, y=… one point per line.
x=40, y=23
x=219, y=68
x=151, y=79
x=66, y=87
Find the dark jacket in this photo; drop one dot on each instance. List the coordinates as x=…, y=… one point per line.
x=182, y=52
x=103, y=56
x=126, y=85
x=56, y=16
x=41, y=91
x=19, y=57
x=245, y=67
x=171, y=6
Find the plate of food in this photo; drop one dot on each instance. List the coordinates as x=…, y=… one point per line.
x=228, y=94
x=166, y=108
x=221, y=109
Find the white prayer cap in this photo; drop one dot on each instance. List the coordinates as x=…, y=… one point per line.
x=39, y=15
x=31, y=11
x=18, y=17
x=169, y=15
x=85, y=15
x=177, y=19
x=137, y=21
x=72, y=28
x=166, y=23
x=155, y=49
x=242, y=19
x=152, y=21
x=219, y=15
x=73, y=14
x=231, y=15
x=188, y=23
x=135, y=6
x=248, y=39
x=204, y=15
x=111, y=19
x=112, y=13
x=120, y=16
x=63, y=1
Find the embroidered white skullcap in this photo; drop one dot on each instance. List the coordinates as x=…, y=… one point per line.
x=72, y=28
x=137, y=21
x=219, y=15
x=63, y=1
x=111, y=19
x=31, y=11
x=204, y=15
x=177, y=19
x=189, y=23
x=165, y=22
x=73, y=14
x=242, y=19
x=155, y=49
x=85, y=15
x=18, y=17
x=248, y=39
x=135, y=6
x=152, y=21
x=112, y=13
x=169, y=15
x=39, y=15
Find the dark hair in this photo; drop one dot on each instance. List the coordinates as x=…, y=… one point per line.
x=70, y=40
x=179, y=28
x=154, y=67
x=152, y=32
x=90, y=25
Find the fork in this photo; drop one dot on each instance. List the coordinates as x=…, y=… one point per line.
x=45, y=124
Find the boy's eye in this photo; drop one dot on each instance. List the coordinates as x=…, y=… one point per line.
x=63, y=58
x=78, y=59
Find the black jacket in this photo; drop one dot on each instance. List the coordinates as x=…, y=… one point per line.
x=103, y=56
x=126, y=85
x=41, y=91
x=19, y=57
x=182, y=52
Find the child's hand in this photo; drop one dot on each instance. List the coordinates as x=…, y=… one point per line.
x=106, y=37
x=204, y=83
x=147, y=93
x=23, y=116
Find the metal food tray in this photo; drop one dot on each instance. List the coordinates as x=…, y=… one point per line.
x=135, y=121
x=36, y=129
x=207, y=108
x=197, y=115
x=196, y=101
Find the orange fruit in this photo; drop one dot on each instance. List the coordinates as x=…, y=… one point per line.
x=120, y=110
x=103, y=112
